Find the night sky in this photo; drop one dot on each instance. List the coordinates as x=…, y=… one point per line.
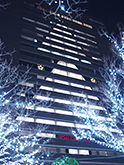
x=109, y=11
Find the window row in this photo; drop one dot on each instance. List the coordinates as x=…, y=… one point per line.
x=60, y=123
x=64, y=43
x=64, y=17
x=57, y=53
x=64, y=82
x=45, y=25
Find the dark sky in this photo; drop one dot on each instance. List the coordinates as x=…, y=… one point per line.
x=109, y=11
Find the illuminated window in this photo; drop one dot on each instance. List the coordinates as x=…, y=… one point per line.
x=85, y=61
x=69, y=74
x=67, y=64
x=27, y=84
x=40, y=77
x=45, y=43
x=61, y=36
x=43, y=30
x=73, y=151
x=27, y=38
x=64, y=112
x=28, y=19
x=61, y=91
x=98, y=59
x=44, y=109
x=39, y=23
x=62, y=31
x=46, y=88
x=84, y=152
x=89, y=26
x=61, y=82
x=82, y=54
x=44, y=121
x=66, y=124
x=84, y=33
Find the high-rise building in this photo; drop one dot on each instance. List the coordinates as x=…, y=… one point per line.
x=64, y=55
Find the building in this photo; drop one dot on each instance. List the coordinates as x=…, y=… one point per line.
x=65, y=56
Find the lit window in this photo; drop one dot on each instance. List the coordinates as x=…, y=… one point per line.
x=61, y=82
x=27, y=84
x=64, y=112
x=27, y=38
x=61, y=72
x=46, y=88
x=98, y=59
x=77, y=85
x=77, y=76
x=70, y=57
x=67, y=64
x=85, y=61
x=93, y=97
x=84, y=152
x=58, y=47
x=62, y=101
x=73, y=151
x=49, y=135
x=45, y=43
x=43, y=30
x=89, y=26
x=42, y=49
x=61, y=26
x=71, y=51
x=43, y=98
x=62, y=31
x=40, y=77
x=49, y=79
x=43, y=121
x=61, y=91
x=66, y=124
x=28, y=119
x=27, y=19
x=82, y=54
x=39, y=23
x=44, y=109
x=78, y=94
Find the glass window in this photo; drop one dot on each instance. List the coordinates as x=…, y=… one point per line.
x=66, y=124
x=73, y=151
x=84, y=152
x=43, y=30
x=61, y=82
x=85, y=61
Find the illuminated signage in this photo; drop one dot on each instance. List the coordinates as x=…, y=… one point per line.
x=73, y=138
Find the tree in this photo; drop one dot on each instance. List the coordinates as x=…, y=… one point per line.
x=65, y=160
x=106, y=129
x=70, y=8
x=19, y=143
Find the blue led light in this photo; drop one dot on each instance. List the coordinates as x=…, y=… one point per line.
x=35, y=40
x=63, y=7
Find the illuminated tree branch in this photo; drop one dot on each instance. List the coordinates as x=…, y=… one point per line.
x=3, y=6
x=70, y=8
x=107, y=127
x=19, y=143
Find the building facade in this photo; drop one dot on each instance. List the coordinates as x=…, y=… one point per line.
x=64, y=55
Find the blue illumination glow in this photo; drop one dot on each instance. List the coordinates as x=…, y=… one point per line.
x=63, y=7
x=35, y=40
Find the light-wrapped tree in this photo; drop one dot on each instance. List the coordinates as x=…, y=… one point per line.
x=106, y=129
x=19, y=143
x=71, y=9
